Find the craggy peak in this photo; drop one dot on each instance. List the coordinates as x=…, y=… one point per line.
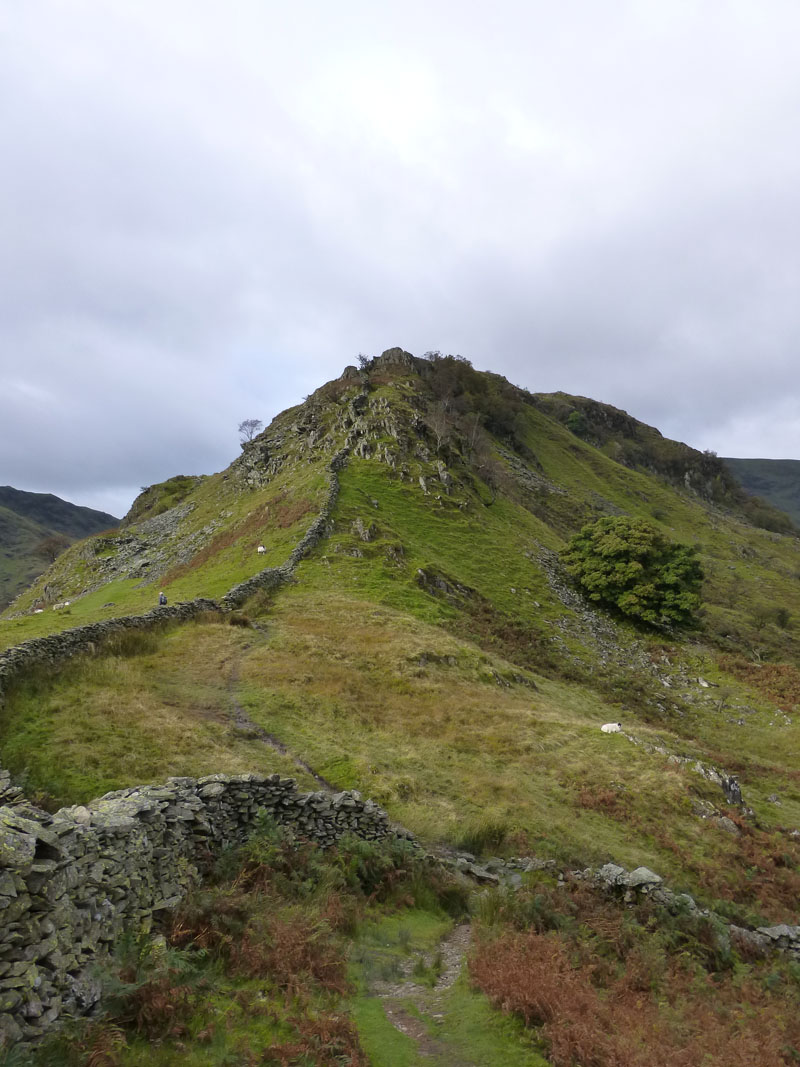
x=451, y=723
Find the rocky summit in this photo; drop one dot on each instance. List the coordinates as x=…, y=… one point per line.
x=467, y=735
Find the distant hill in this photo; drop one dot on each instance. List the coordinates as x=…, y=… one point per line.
x=33, y=528
x=640, y=447
x=774, y=480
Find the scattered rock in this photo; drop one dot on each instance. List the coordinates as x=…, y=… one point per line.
x=367, y=532
x=726, y=824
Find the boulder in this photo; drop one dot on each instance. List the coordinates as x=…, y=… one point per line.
x=611, y=874
x=642, y=876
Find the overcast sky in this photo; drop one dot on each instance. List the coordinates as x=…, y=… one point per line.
x=208, y=209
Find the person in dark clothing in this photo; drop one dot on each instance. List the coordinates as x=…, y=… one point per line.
x=162, y=598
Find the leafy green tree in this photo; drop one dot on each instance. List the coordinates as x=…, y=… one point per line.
x=628, y=565
x=576, y=423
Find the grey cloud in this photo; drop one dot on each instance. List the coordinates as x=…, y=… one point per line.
x=207, y=214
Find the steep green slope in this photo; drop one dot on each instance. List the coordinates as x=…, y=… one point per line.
x=34, y=527
x=775, y=480
x=443, y=548
x=641, y=447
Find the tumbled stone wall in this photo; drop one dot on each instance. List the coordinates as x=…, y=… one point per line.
x=70, y=883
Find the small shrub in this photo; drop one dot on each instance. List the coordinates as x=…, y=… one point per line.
x=294, y=951
x=151, y=990
x=576, y=423
x=782, y=618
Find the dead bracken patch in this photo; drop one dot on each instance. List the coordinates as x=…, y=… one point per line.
x=779, y=682
x=588, y=1019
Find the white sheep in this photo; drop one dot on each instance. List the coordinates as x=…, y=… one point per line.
x=261, y=550
x=611, y=727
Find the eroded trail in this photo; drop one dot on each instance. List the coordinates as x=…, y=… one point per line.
x=247, y=728
x=416, y=1008
x=447, y=961
x=415, y=1005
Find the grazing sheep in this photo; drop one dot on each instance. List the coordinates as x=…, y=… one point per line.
x=611, y=727
x=261, y=550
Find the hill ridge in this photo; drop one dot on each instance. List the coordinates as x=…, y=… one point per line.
x=34, y=527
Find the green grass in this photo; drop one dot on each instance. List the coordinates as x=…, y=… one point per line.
x=112, y=720
x=481, y=1034
x=385, y=1045
x=233, y=1024
x=385, y=683
x=442, y=746
x=234, y=522
x=470, y=709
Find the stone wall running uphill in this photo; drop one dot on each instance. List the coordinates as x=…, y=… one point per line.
x=70, y=883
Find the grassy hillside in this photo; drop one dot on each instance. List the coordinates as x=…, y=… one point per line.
x=432, y=653
x=34, y=527
x=775, y=480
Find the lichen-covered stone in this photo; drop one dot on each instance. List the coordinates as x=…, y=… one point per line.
x=642, y=876
x=73, y=882
x=16, y=849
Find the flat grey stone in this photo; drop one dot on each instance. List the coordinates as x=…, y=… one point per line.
x=782, y=930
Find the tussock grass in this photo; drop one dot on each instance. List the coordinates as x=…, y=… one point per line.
x=379, y=683
x=378, y=700
x=132, y=714
x=457, y=757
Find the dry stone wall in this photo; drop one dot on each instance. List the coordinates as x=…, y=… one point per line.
x=273, y=577
x=631, y=885
x=72, y=882
x=56, y=648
